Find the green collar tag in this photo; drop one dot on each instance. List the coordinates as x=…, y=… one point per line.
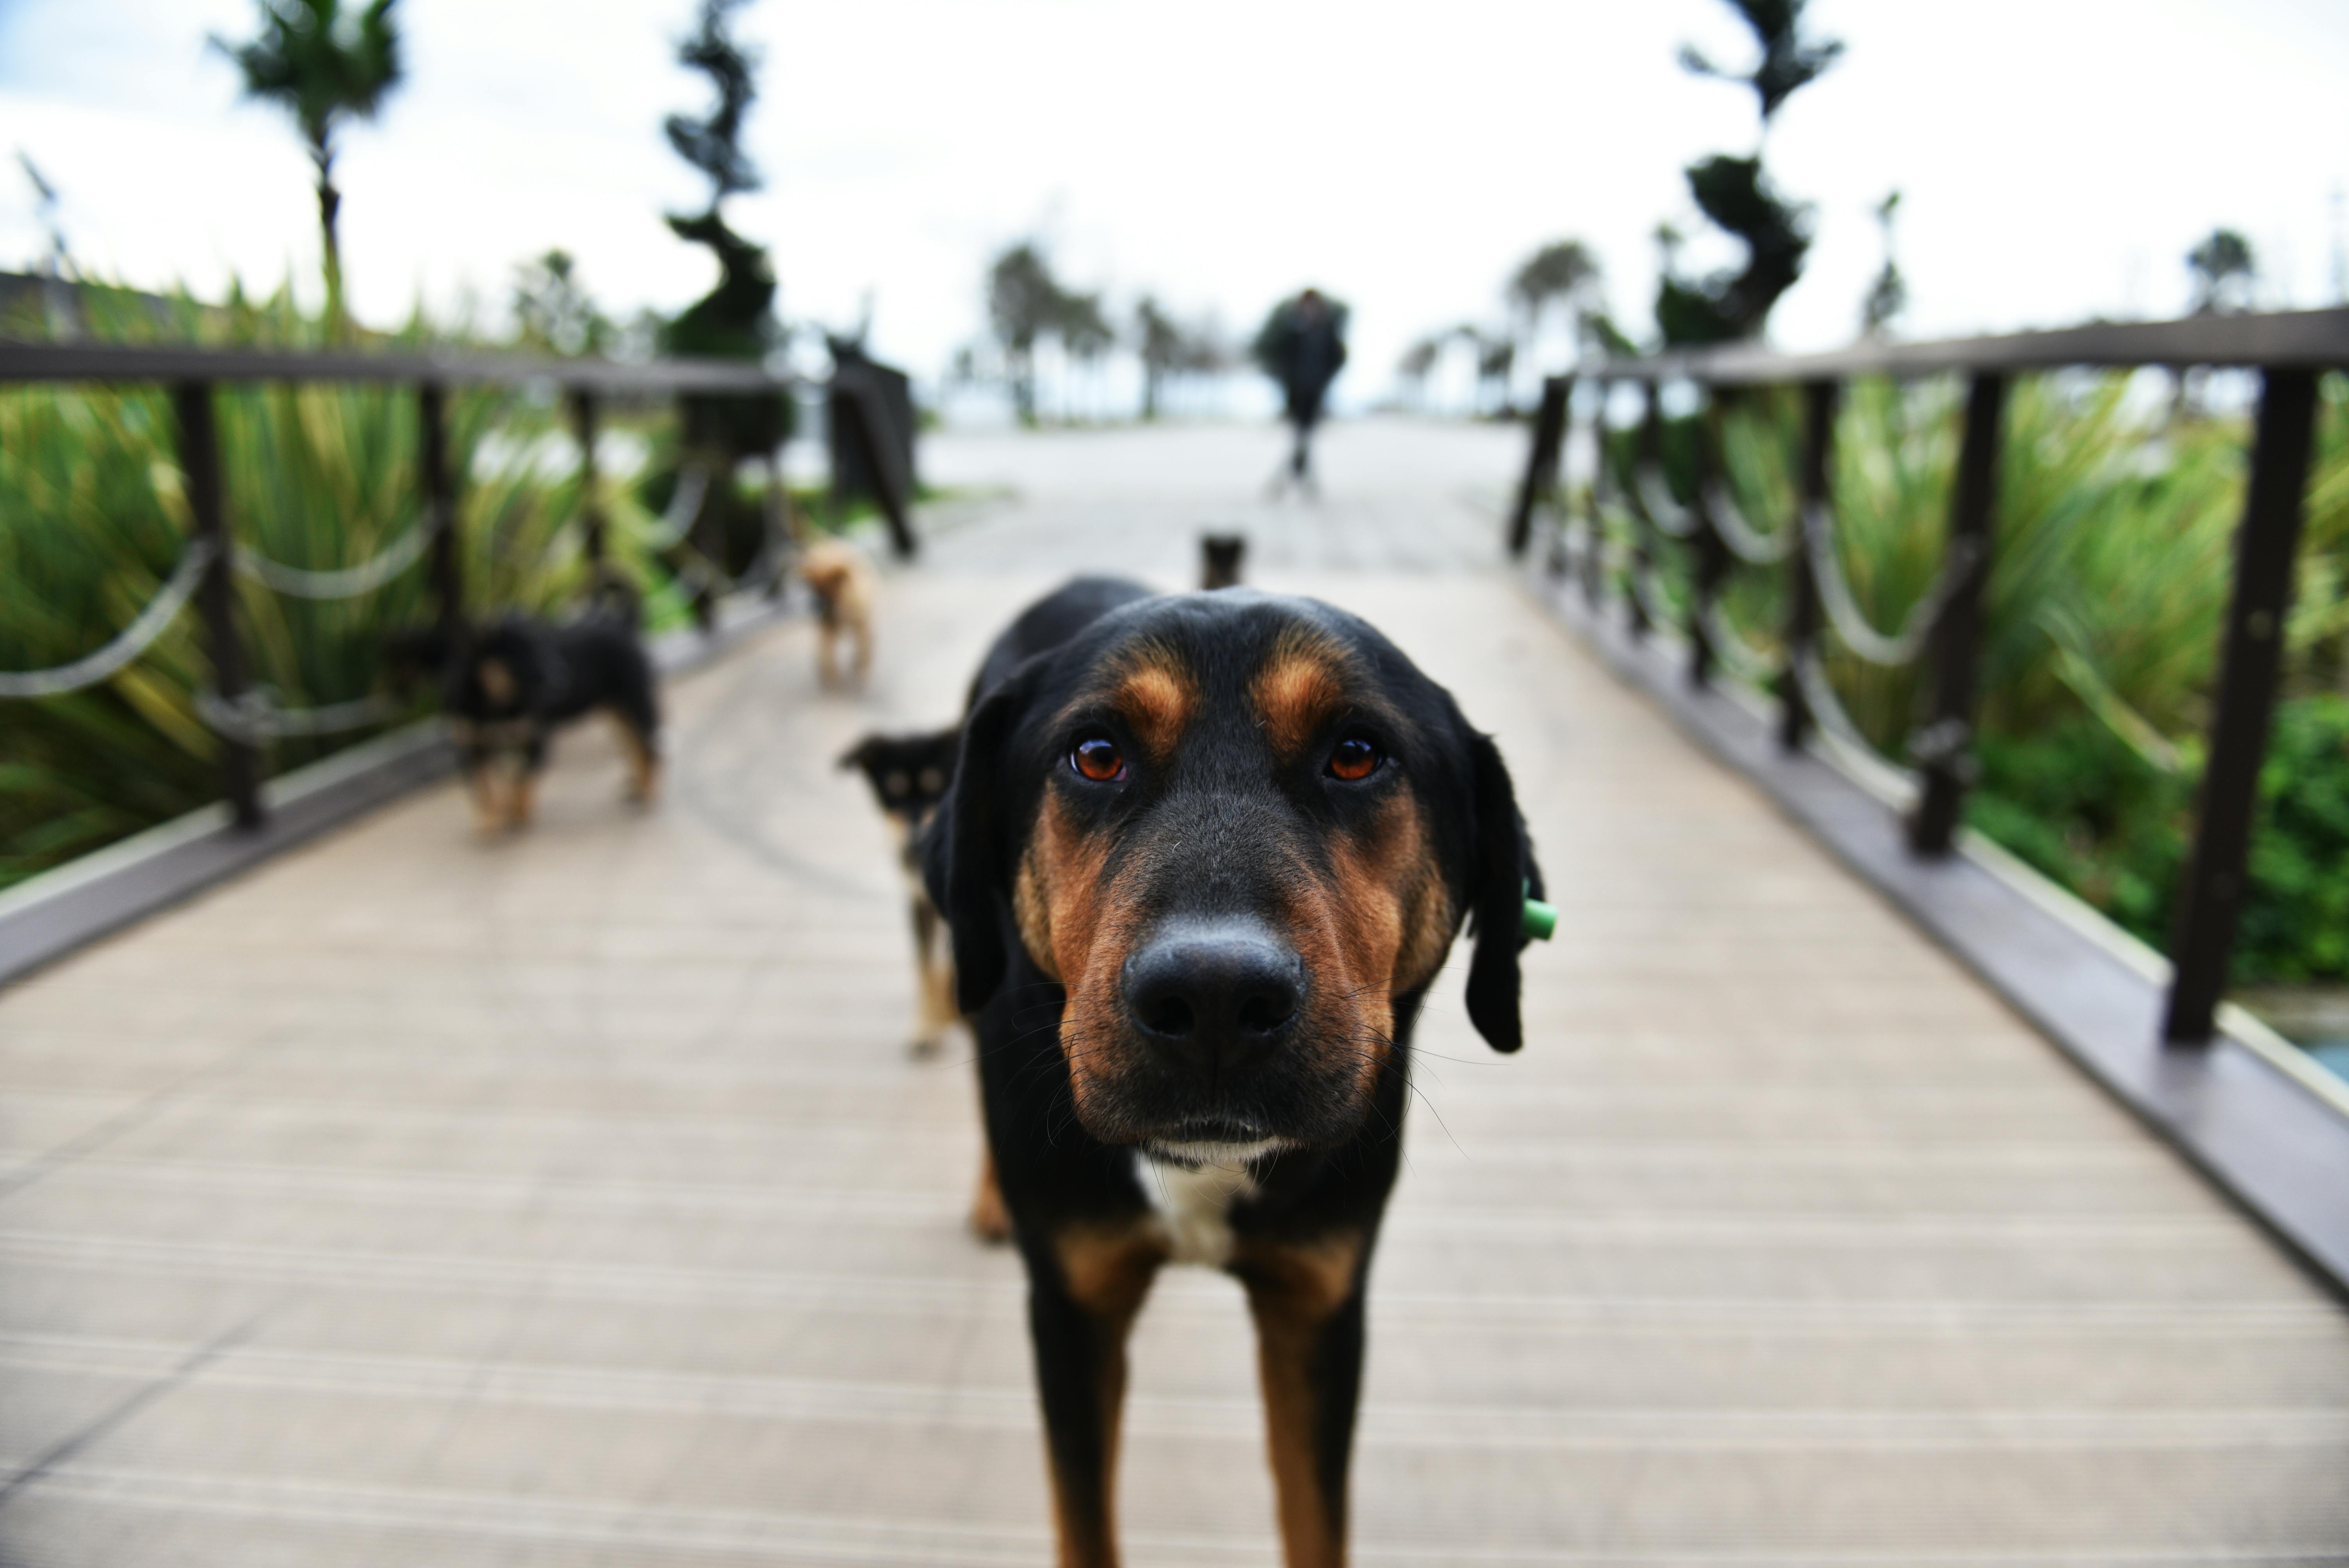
x=1539, y=922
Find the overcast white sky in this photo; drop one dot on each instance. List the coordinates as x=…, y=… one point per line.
x=2057, y=156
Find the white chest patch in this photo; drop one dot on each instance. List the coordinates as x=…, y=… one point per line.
x=1194, y=1196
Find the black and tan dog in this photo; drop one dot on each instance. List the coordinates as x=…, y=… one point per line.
x=1202, y=860
x=507, y=686
x=908, y=775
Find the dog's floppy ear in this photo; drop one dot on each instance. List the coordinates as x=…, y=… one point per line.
x=1506, y=876
x=964, y=852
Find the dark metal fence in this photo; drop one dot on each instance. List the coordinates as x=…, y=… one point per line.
x=206, y=570
x=2287, y=351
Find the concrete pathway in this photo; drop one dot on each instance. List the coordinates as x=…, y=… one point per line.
x=573, y=1200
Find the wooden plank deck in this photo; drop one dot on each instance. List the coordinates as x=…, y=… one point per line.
x=573, y=1200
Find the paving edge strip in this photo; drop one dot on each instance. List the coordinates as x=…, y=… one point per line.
x=59, y=911
x=2245, y=1111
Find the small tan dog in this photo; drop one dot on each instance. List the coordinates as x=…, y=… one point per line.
x=844, y=583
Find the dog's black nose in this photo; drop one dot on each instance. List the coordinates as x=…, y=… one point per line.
x=1214, y=997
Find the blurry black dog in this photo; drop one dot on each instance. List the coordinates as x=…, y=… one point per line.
x=910, y=775
x=507, y=684
x=1220, y=555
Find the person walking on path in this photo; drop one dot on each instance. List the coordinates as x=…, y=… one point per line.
x=1303, y=347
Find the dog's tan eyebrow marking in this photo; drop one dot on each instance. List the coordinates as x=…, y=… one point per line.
x=1155, y=692
x=1302, y=683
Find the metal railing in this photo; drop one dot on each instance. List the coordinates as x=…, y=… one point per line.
x=2289, y=352
x=241, y=714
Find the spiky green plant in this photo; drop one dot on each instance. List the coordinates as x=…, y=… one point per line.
x=2103, y=613
x=92, y=518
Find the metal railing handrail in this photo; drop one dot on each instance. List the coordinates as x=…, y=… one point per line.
x=244, y=713
x=109, y=362
x=2298, y=339
x=2288, y=350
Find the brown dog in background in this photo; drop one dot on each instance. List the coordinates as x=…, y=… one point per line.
x=843, y=582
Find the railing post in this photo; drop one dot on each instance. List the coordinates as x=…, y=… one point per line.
x=216, y=595
x=708, y=537
x=777, y=513
x=1594, y=551
x=1541, y=460
x=1712, y=563
x=591, y=505
x=1650, y=454
x=2202, y=941
x=1802, y=591
x=1944, y=746
x=440, y=504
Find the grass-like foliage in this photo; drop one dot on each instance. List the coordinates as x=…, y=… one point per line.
x=93, y=518
x=2103, y=609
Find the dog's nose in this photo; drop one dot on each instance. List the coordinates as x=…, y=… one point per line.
x=1214, y=997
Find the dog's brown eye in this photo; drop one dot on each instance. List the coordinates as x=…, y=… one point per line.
x=1355, y=757
x=1095, y=757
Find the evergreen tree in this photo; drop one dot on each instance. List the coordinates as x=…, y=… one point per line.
x=736, y=319
x=1735, y=194
x=1889, y=295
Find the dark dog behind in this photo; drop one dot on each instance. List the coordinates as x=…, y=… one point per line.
x=909, y=774
x=507, y=686
x=1203, y=857
x=1220, y=555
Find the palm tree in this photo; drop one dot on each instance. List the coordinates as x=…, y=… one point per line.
x=1022, y=298
x=1417, y=363
x=2224, y=269
x=1559, y=273
x=1158, y=342
x=1084, y=333
x=324, y=65
x=1734, y=193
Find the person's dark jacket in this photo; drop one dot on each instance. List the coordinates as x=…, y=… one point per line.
x=1305, y=351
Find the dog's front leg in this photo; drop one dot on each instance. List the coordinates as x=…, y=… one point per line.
x=481, y=765
x=1084, y=1287
x=1307, y=1299
x=523, y=803
x=827, y=651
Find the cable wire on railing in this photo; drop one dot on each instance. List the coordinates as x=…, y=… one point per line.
x=1864, y=640
x=684, y=508
x=1740, y=658
x=342, y=582
x=1843, y=738
x=1661, y=610
x=1655, y=500
x=126, y=645
x=1745, y=542
x=256, y=718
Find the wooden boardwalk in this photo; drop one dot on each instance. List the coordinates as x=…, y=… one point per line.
x=573, y=1199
